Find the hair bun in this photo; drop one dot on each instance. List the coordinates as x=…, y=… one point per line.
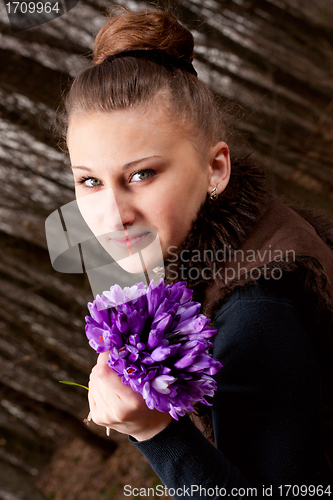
x=152, y=29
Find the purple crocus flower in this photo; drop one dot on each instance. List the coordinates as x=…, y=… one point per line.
x=158, y=341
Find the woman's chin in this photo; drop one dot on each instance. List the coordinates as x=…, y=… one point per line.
x=141, y=262
x=141, y=258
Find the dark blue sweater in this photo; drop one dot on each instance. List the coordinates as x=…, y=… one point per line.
x=267, y=408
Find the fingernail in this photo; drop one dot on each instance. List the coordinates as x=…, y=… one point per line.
x=88, y=419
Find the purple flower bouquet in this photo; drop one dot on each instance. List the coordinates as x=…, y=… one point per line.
x=158, y=341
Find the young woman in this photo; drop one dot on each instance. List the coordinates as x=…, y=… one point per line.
x=141, y=125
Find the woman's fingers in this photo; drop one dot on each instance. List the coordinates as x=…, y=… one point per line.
x=102, y=369
x=94, y=402
x=115, y=405
x=111, y=402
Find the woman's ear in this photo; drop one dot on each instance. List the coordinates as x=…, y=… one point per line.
x=220, y=168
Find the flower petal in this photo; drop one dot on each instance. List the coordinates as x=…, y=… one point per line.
x=161, y=384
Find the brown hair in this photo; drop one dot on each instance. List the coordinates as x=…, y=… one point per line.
x=134, y=82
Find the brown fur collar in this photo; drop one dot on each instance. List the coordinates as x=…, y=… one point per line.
x=233, y=222
x=221, y=224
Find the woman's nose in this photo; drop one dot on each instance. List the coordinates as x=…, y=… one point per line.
x=104, y=212
x=110, y=214
x=119, y=212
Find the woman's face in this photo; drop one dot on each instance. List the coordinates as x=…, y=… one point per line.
x=143, y=176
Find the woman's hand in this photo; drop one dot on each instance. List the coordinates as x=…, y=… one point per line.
x=115, y=405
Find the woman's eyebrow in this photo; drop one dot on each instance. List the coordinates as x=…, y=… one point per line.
x=133, y=163
x=81, y=168
x=124, y=167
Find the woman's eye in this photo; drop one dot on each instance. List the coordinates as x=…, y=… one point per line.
x=142, y=175
x=90, y=182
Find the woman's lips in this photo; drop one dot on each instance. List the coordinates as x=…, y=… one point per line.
x=129, y=241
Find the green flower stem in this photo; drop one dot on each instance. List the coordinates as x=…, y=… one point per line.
x=73, y=383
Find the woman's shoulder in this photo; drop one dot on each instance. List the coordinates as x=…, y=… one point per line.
x=265, y=338
x=284, y=292
x=266, y=318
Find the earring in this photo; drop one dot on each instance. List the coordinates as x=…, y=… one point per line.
x=213, y=194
